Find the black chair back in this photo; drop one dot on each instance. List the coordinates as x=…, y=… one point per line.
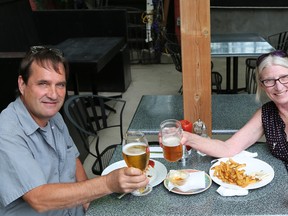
x=279, y=40
x=216, y=81
x=251, y=84
x=87, y=113
x=174, y=49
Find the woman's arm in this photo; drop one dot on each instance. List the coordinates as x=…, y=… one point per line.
x=242, y=139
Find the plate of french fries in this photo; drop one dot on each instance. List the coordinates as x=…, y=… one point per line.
x=241, y=172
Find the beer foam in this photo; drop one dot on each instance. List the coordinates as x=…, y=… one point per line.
x=171, y=141
x=134, y=149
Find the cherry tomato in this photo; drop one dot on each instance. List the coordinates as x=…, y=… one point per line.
x=151, y=163
x=186, y=125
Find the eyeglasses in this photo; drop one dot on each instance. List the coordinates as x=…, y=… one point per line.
x=279, y=53
x=272, y=82
x=37, y=49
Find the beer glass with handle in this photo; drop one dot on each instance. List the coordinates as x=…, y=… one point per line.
x=170, y=136
x=136, y=153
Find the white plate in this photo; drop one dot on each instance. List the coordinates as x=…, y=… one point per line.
x=208, y=183
x=156, y=174
x=252, y=165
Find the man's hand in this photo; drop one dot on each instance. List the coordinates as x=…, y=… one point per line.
x=126, y=180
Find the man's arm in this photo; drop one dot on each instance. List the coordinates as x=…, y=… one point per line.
x=80, y=171
x=81, y=176
x=66, y=195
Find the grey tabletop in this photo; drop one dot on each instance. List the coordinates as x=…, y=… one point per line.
x=268, y=200
x=229, y=112
x=240, y=44
x=236, y=45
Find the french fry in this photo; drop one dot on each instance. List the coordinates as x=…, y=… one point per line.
x=232, y=172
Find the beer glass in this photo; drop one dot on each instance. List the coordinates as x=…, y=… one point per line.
x=136, y=153
x=171, y=132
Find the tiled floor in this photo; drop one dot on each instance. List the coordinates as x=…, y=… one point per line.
x=157, y=79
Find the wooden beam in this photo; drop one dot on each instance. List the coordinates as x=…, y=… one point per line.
x=196, y=60
x=166, y=10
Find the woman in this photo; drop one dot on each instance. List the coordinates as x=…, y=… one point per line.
x=270, y=120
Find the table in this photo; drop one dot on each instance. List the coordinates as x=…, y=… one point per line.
x=236, y=45
x=89, y=55
x=269, y=200
x=229, y=112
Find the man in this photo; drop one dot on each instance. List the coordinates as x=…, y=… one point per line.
x=40, y=171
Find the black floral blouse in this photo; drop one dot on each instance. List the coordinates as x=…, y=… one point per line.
x=274, y=130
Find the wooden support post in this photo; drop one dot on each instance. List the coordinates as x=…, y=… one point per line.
x=166, y=10
x=196, y=60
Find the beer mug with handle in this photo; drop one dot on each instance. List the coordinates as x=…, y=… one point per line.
x=170, y=137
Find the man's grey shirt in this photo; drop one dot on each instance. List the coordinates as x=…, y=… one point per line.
x=31, y=156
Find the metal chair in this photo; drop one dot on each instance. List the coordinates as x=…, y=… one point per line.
x=216, y=81
x=251, y=85
x=171, y=38
x=279, y=40
x=174, y=50
x=88, y=115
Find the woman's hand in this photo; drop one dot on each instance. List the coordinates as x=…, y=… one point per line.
x=190, y=139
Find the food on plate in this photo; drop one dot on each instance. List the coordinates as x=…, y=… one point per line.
x=232, y=172
x=260, y=175
x=178, y=177
x=151, y=164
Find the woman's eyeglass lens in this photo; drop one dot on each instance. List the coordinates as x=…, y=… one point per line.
x=272, y=82
x=279, y=53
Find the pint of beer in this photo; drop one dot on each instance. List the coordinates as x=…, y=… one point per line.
x=172, y=149
x=171, y=132
x=136, y=155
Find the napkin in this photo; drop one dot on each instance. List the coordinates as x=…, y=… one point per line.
x=247, y=154
x=156, y=152
x=195, y=180
x=241, y=154
x=223, y=191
